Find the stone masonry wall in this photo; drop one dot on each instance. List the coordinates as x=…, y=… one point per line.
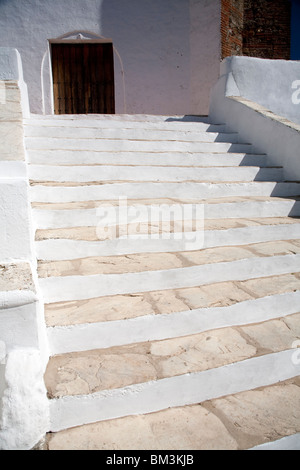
x=232, y=27
x=267, y=29
x=256, y=28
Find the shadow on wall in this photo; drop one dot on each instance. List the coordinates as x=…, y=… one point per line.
x=152, y=39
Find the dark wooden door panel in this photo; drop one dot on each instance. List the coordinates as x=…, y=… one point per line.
x=83, y=78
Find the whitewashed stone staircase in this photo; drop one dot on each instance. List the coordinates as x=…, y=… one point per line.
x=184, y=339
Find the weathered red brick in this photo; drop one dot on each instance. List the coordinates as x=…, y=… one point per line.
x=257, y=28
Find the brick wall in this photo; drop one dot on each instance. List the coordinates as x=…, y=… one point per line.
x=267, y=29
x=256, y=28
x=232, y=27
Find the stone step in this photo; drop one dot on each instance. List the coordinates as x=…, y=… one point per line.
x=188, y=389
x=130, y=134
x=147, y=261
x=105, y=276
x=34, y=126
x=145, y=328
x=115, y=119
x=53, y=193
x=109, y=145
x=238, y=422
x=159, y=294
x=104, y=173
x=88, y=372
x=163, y=241
x=163, y=228
x=102, y=216
x=197, y=159
x=168, y=302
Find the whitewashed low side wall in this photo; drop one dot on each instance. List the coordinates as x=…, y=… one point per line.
x=274, y=84
x=269, y=132
x=11, y=70
x=24, y=415
x=24, y=406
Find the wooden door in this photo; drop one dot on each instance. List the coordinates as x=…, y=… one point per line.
x=83, y=78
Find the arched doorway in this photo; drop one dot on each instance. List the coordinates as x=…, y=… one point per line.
x=83, y=75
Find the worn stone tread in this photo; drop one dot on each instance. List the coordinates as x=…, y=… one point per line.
x=143, y=293
x=92, y=234
x=143, y=262
x=93, y=371
x=236, y=422
x=94, y=204
x=122, y=307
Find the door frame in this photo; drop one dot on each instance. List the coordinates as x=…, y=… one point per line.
x=74, y=41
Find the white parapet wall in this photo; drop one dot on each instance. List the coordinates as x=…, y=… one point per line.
x=23, y=344
x=260, y=99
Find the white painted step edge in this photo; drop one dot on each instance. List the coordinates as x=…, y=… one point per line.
x=87, y=337
x=178, y=135
x=123, y=117
x=61, y=249
x=110, y=216
x=105, y=145
x=80, y=123
x=87, y=174
x=286, y=443
x=67, y=288
x=150, y=190
x=186, y=159
x=177, y=391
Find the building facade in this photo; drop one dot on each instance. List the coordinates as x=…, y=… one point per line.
x=158, y=57
x=159, y=48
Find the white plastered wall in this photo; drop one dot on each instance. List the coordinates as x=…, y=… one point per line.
x=274, y=84
x=256, y=98
x=23, y=343
x=166, y=52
